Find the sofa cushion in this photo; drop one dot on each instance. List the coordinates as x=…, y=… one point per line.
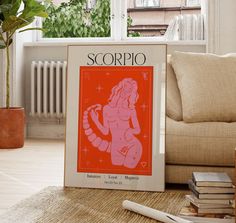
x=207, y=86
x=205, y=143
x=174, y=104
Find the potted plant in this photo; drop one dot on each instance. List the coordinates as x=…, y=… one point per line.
x=14, y=15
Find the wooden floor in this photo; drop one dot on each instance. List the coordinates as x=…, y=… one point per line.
x=26, y=171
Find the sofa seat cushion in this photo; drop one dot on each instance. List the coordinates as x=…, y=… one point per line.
x=207, y=86
x=205, y=143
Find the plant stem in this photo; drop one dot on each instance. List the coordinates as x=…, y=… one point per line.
x=8, y=72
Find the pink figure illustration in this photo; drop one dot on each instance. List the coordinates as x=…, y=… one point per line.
x=118, y=116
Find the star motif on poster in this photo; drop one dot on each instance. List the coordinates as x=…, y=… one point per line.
x=143, y=106
x=85, y=150
x=145, y=77
x=99, y=88
x=145, y=136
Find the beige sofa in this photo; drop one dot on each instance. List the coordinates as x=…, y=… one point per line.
x=198, y=145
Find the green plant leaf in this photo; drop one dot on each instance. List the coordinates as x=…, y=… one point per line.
x=5, y=7
x=10, y=23
x=28, y=29
x=13, y=23
x=2, y=45
x=32, y=9
x=15, y=5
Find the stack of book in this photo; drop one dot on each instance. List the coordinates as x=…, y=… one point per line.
x=212, y=193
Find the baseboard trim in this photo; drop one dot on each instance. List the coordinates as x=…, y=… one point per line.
x=45, y=131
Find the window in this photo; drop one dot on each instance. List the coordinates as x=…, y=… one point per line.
x=147, y=3
x=192, y=3
x=148, y=21
x=77, y=18
x=114, y=19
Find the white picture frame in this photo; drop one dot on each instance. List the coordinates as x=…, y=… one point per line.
x=127, y=170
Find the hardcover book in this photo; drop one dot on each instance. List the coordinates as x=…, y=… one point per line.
x=210, y=196
x=210, y=179
x=213, y=210
x=192, y=198
x=212, y=190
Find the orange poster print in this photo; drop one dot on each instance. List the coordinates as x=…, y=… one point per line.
x=115, y=120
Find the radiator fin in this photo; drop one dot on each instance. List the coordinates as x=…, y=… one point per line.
x=48, y=89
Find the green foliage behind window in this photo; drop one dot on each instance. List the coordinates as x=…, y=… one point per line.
x=72, y=19
x=131, y=33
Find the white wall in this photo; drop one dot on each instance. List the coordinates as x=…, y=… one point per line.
x=2, y=89
x=221, y=26
x=18, y=79
x=227, y=26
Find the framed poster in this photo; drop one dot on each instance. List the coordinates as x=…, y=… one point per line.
x=115, y=126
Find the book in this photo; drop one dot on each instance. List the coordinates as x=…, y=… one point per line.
x=210, y=179
x=212, y=190
x=214, y=196
x=189, y=211
x=212, y=210
x=211, y=196
x=192, y=198
x=211, y=206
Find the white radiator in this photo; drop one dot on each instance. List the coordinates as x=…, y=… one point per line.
x=48, y=89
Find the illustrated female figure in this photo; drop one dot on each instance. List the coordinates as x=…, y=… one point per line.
x=120, y=120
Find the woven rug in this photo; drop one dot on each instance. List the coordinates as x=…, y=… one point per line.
x=73, y=205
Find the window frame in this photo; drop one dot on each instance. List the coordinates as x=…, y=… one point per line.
x=39, y=36
x=118, y=24
x=143, y=6
x=188, y=4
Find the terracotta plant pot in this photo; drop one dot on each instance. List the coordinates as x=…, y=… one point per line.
x=12, y=122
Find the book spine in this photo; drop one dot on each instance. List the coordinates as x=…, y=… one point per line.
x=212, y=210
x=191, y=187
x=194, y=179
